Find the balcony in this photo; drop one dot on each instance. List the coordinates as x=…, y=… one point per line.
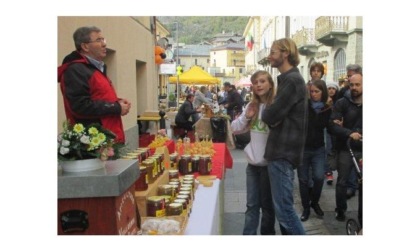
x=329, y=30
x=262, y=56
x=305, y=41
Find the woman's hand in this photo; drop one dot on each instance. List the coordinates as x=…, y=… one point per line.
x=251, y=110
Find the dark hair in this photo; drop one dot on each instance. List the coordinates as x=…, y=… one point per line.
x=355, y=68
x=320, y=84
x=318, y=65
x=226, y=84
x=189, y=96
x=82, y=35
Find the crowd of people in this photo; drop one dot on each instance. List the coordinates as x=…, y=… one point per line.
x=304, y=127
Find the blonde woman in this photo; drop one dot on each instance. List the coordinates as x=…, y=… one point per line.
x=257, y=181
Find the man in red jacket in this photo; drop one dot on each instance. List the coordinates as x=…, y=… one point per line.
x=89, y=96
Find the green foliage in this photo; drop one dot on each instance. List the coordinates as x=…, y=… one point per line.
x=172, y=97
x=196, y=29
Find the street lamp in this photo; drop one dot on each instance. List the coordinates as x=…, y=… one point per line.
x=177, y=61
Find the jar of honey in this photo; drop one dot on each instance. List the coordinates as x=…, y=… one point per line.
x=195, y=162
x=173, y=174
x=184, y=197
x=175, y=209
x=142, y=182
x=149, y=168
x=185, y=164
x=167, y=190
x=184, y=204
x=174, y=160
x=204, y=167
x=155, y=206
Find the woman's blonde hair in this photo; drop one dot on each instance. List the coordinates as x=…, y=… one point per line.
x=269, y=95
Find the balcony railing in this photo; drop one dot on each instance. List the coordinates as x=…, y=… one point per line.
x=304, y=37
x=326, y=25
x=331, y=28
x=305, y=41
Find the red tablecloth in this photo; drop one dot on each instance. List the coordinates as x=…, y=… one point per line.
x=221, y=160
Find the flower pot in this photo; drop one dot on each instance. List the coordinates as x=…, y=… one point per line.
x=82, y=165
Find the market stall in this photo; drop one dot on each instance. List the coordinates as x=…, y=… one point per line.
x=203, y=128
x=207, y=207
x=195, y=76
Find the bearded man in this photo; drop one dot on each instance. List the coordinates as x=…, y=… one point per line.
x=346, y=122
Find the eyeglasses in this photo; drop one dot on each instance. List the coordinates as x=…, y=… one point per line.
x=98, y=40
x=274, y=51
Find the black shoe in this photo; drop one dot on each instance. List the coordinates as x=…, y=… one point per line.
x=305, y=214
x=317, y=209
x=339, y=215
x=350, y=193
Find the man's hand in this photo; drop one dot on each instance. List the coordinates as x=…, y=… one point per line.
x=125, y=106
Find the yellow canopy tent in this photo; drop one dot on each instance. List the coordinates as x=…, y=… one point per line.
x=195, y=76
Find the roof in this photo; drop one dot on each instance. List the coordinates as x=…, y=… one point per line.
x=231, y=46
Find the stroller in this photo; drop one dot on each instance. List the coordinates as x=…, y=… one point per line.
x=354, y=227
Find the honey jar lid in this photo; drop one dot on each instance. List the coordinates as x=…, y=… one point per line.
x=155, y=198
x=175, y=205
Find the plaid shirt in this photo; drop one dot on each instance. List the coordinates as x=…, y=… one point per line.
x=287, y=118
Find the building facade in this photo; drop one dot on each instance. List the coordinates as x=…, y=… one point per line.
x=335, y=41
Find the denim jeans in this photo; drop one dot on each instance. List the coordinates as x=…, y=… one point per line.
x=258, y=196
x=344, y=169
x=312, y=168
x=281, y=176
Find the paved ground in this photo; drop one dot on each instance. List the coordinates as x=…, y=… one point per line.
x=235, y=204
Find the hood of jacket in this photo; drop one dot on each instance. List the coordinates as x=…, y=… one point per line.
x=73, y=57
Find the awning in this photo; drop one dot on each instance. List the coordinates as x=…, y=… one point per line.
x=195, y=76
x=244, y=82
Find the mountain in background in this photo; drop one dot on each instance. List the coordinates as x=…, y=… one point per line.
x=193, y=30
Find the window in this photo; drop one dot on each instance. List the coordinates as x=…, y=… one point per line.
x=339, y=64
x=309, y=68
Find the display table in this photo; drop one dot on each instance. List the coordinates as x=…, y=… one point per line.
x=151, y=117
x=208, y=207
x=203, y=127
x=207, y=211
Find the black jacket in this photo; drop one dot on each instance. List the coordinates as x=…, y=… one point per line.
x=316, y=124
x=352, y=115
x=184, y=112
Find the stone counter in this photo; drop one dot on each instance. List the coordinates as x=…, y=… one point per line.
x=113, y=180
